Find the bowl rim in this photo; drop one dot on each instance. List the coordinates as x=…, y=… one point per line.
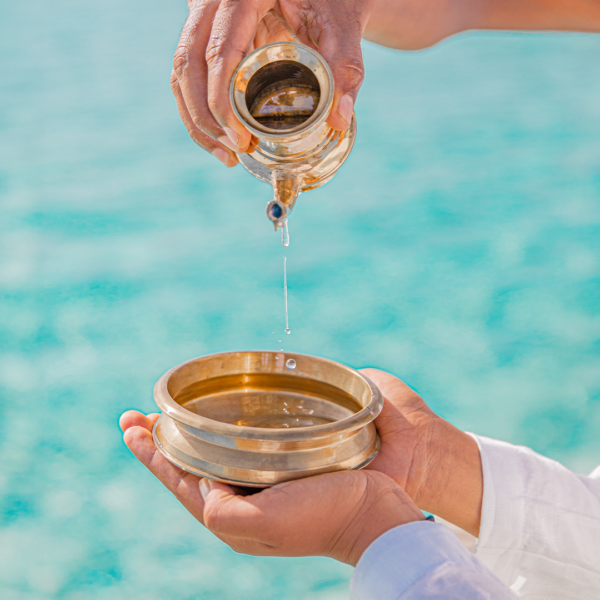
x=363, y=417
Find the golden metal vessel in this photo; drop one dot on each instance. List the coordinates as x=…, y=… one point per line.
x=260, y=418
x=283, y=93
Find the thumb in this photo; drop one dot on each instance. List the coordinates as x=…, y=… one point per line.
x=213, y=491
x=229, y=514
x=339, y=44
x=395, y=390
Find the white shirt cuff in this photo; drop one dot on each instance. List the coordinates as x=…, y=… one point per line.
x=503, y=505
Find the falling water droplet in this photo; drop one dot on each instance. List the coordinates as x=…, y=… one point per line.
x=290, y=363
x=285, y=235
x=287, y=325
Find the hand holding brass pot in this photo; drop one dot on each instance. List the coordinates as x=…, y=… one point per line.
x=282, y=93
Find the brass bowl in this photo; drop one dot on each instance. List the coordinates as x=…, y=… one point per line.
x=260, y=418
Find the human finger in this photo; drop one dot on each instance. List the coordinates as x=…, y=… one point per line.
x=153, y=417
x=288, y=518
x=335, y=514
x=339, y=44
x=403, y=426
x=233, y=31
x=335, y=28
x=408, y=429
x=183, y=485
x=228, y=514
x=401, y=396
x=189, y=66
x=134, y=418
x=217, y=149
x=271, y=29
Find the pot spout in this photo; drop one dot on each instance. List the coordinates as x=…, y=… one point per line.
x=286, y=188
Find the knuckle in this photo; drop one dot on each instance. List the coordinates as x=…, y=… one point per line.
x=309, y=21
x=174, y=81
x=212, y=518
x=214, y=105
x=196, y=139
x=237, y=547
x=217, y=46
x=203, y=121
x=252, y=548
x=352, y=71
x=197, y=122
x=201, y=140
x=181, y=484
x=220, y=45
x=180, y=62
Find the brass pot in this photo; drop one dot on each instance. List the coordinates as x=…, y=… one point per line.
x=283, y=93
x=260, y=418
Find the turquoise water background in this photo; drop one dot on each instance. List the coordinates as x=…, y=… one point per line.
x=458, y=248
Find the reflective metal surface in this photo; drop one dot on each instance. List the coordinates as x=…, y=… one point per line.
x=283, y=93
x=261, y=418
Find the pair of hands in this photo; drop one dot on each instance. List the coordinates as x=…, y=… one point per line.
x=424, y=462
x=219, y=33
x=340, y=514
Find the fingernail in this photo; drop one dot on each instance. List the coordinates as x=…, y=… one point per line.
x=345, y=108
x=221, y=155
x=205, y=487
x=233, y=136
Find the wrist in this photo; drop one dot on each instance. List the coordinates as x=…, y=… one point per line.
x=385, y=507
x=452, y=484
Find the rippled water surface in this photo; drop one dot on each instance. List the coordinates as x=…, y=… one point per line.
x=458, y=248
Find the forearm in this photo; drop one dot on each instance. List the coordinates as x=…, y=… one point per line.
x=414, y=24
x=540, y=15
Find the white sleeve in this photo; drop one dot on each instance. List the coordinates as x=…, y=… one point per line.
x=423, y=561
x=540, y=524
